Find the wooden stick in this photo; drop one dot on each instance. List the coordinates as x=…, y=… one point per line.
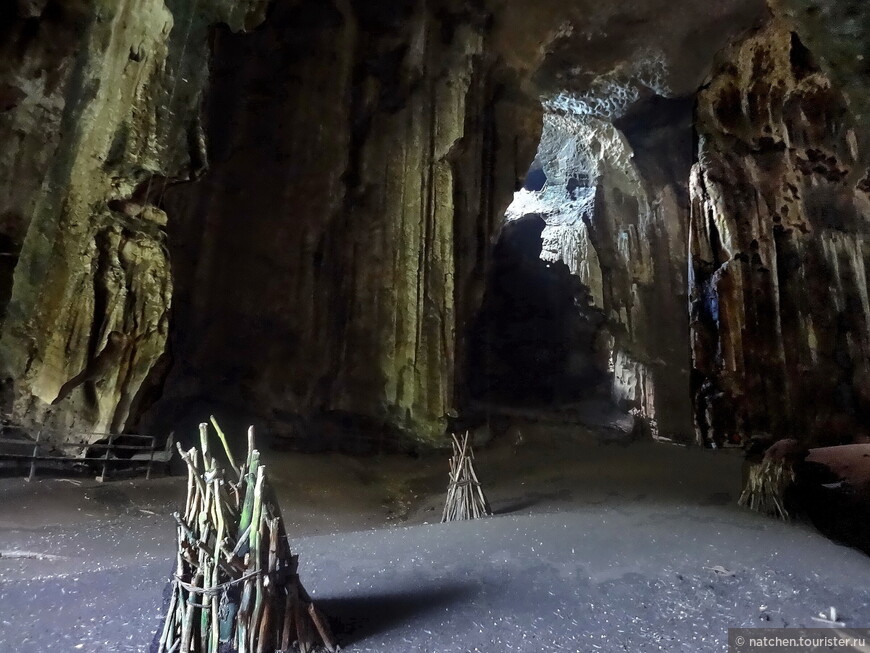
x=265, y=624
x=248, y=506
x=169, y=624
x=223, y=438
x=303, y=630
x=288, y=624
x=251, y=448
x=215, y=572
x=258, y=524
x=203, y=443
x=189, y=615
x=322, y=628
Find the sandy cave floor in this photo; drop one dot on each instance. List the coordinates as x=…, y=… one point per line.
x=596, y=546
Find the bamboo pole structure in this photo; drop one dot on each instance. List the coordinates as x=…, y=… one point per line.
x=766, y=487
x=465, y=497
x=236, y=587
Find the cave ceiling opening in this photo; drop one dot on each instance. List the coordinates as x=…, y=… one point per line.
x=538, y=341
x=586, y=256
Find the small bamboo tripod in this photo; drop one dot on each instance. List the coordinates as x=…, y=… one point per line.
x=236, y=586
x=465, y=498
x=766, y=488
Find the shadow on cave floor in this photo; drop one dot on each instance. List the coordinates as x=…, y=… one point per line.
x=532, y=500
x=364, y=615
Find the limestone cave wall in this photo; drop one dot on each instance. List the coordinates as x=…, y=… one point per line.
x=778, y=243
x=298, y=220
x=100, y=103
x=328, y=261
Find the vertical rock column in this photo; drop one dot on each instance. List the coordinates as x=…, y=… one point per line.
x=327, y=263
x=400, y=333
x=778, y=246
x=427, y=180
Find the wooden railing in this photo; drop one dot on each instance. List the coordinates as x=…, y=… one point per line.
x=43, y=445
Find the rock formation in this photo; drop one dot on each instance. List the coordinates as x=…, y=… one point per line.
x=616, y=208
x=325, y=259
x=780, y=210
x=100, y=107
x=290, y=206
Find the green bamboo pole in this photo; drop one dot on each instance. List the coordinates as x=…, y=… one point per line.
x=256, y=553
x=215, y=572
x=227, y=450
x=248, y=506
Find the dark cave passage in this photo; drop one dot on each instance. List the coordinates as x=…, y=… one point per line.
x=536, y=339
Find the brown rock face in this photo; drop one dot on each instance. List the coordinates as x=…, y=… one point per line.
x=325, y=261
x=780, y=210
x=97, y=102
x=36, y=62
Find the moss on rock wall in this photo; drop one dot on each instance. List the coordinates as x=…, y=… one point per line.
x=89, y=245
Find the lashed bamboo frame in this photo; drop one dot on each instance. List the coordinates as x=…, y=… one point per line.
x=236, y=585
x=465, y=497
x=766, y=487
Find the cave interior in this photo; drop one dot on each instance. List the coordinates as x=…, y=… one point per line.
x=625, y=247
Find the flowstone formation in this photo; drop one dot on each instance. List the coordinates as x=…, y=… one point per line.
x=780, y=209
x=100, y=110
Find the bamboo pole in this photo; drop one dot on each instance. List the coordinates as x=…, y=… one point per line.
x=287, y=636
x=223, y=438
